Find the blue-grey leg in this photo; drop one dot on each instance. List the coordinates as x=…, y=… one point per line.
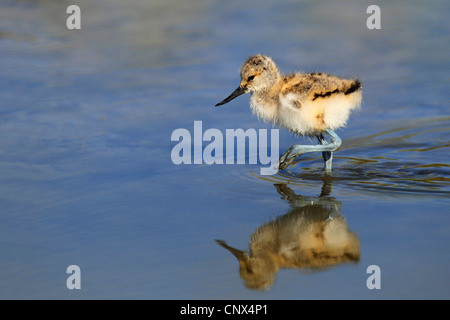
x=327, y=155
x=325, y=147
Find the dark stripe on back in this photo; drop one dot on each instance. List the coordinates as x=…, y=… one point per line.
x=326, y=94
x=356, y=85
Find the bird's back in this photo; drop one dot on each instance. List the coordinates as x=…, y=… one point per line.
x=312, y=102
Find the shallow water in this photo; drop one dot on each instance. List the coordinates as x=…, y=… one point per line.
x=86, y=176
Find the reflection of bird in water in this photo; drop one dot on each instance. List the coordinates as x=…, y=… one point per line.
x=312, y=235
x=304, y=103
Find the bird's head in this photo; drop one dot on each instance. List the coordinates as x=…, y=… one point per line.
x=258, y=73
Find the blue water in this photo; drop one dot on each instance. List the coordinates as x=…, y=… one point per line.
x=86, y=177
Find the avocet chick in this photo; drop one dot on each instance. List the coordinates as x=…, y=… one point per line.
x=308, y=104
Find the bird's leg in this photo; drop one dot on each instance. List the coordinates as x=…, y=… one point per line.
x=325, y=147
x=327, y=155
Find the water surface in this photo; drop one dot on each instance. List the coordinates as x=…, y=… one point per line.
x=86, y=176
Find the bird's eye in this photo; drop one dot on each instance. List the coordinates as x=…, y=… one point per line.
x=250, y=78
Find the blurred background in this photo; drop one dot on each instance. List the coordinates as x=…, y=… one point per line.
x=86, y=118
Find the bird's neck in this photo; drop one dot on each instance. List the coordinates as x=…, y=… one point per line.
x=264, y=105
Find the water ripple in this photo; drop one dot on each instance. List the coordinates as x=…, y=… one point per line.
x=412, y=160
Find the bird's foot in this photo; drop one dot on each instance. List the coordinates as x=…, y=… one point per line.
x=288, y=157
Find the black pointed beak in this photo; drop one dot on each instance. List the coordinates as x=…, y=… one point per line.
x=241, y=255
x=236, y=93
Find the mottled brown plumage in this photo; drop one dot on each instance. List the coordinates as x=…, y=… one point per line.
x=304, y=103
